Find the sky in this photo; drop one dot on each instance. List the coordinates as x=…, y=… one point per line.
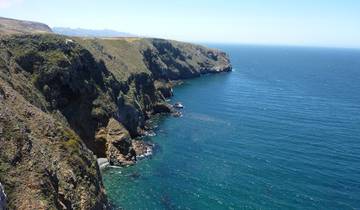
x=330, y=23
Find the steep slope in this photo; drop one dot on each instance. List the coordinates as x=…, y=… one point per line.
x=43, y=163
x=64, y=99
x=164, y=59
x=147, y=66
x=12, y=26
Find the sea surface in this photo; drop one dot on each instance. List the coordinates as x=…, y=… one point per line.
x=282, y=131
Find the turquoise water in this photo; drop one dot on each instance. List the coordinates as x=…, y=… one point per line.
x=280, y=132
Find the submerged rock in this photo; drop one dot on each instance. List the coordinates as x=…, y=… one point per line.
x=177, y=114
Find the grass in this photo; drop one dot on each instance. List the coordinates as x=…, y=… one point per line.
x=54, y=57
x=72, y=143
x=121, y=56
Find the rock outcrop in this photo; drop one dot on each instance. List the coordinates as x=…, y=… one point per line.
x=66, y=101
x=43, y=163
x=176, y=60
x=117, y=140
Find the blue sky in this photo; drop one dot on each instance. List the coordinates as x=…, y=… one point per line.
x=286, y=22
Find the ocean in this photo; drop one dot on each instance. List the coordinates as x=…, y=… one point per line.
x=282, y=131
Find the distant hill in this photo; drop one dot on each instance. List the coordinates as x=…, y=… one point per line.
x=90, y=32
x=12, y=26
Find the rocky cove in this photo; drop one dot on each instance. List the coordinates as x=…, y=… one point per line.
x=66, y=101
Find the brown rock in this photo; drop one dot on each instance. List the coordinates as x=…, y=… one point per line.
x=118, y=144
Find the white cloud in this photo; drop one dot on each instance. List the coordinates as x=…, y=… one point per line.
x=9, y=3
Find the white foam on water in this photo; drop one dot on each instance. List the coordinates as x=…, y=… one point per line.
x=103, y=163
x=150, y=133
x=148, y=153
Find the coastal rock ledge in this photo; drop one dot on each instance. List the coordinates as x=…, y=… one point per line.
x=66, y=101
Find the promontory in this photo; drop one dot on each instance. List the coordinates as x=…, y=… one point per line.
x=66, y=101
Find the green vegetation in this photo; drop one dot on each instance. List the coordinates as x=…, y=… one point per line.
x=76, y=86
x=72, y=141
x=4, y=167
x=121, y=56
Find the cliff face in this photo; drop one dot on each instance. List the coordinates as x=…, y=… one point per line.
x=43, y=163
x=62, y=100
x=175, y=60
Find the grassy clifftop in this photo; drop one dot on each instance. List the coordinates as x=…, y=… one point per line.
x=64, y=100
x=165, y=59
x=12, y=26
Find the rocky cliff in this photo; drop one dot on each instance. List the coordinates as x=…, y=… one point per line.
x=66, y=101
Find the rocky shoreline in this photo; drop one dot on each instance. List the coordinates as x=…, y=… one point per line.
x=143, y=149
x=66, y=101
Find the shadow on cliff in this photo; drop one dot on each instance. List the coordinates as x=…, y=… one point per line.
x=81, y=88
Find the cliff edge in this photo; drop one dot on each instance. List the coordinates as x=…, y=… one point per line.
x=11, y=26
x=65, y=101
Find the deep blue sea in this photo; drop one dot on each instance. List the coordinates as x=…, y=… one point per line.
x=282, y=131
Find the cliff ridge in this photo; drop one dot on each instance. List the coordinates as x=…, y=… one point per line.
x=65, y=101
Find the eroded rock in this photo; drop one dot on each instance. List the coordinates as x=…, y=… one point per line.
x=118, y=144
